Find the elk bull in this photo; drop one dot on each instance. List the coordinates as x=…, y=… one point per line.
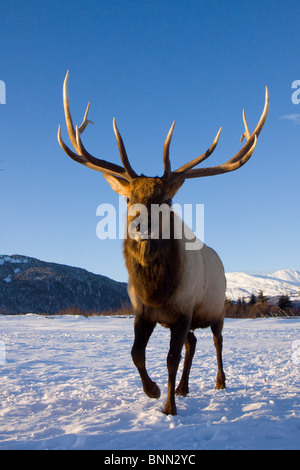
x=179, y=288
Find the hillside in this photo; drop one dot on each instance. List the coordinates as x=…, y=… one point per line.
x=286, y=281
x=30, y=285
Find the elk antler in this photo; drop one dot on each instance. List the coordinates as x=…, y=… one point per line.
x=166, y=158
x=192, y=163
x=238, y=160
x=82, y=155
x=185, y=171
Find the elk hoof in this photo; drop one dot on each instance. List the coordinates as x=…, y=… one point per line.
x=170, y=409
x=152, y=390
x=182, y=391
x=220, y=383
x=220, y=386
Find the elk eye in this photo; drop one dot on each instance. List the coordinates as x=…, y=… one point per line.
x=127, y=200
x=168, y=201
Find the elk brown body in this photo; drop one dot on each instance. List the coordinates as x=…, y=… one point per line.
x=183, y=289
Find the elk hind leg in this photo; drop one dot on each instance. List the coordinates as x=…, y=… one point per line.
x=190, y=347
x=217, y=328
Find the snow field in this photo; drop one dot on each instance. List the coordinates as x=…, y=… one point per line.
x=69, y=383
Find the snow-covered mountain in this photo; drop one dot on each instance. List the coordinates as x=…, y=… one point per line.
x=283, y=282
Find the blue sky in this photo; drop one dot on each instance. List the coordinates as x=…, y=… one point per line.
x=149, y=63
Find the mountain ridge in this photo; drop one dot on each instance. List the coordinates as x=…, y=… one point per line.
x=31, y=285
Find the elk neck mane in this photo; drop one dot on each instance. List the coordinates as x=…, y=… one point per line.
x=155, y=268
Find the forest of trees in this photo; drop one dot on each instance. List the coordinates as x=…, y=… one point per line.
x=259, y=306
x=256, y=307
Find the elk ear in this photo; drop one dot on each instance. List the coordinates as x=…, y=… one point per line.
x=119, y=185
x=174, y=186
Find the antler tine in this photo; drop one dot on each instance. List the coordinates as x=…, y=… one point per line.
x=97, y=163
x=68, y=117
x=246, y=133
x=166, y=150
x=256, y=131
x=261, y=121
x=85, y=121
x=112, y=169
x=264, y=115
x=225, y=168
x=74, y=156
x=82, y=155
x=202, y=157
x=238, y=160
x=122, y=150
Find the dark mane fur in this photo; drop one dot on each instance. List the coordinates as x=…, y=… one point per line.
x=154, y=268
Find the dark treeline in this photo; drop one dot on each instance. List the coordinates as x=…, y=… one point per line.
x=261, y=306
x=256, y=307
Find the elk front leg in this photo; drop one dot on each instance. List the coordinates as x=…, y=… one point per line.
x=218, y=342
x=143, y=331
x=179, y=333
x=190, y=347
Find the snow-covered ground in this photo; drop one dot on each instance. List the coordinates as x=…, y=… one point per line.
x=69, y=383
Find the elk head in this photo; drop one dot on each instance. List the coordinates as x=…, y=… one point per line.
x=145, y=190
